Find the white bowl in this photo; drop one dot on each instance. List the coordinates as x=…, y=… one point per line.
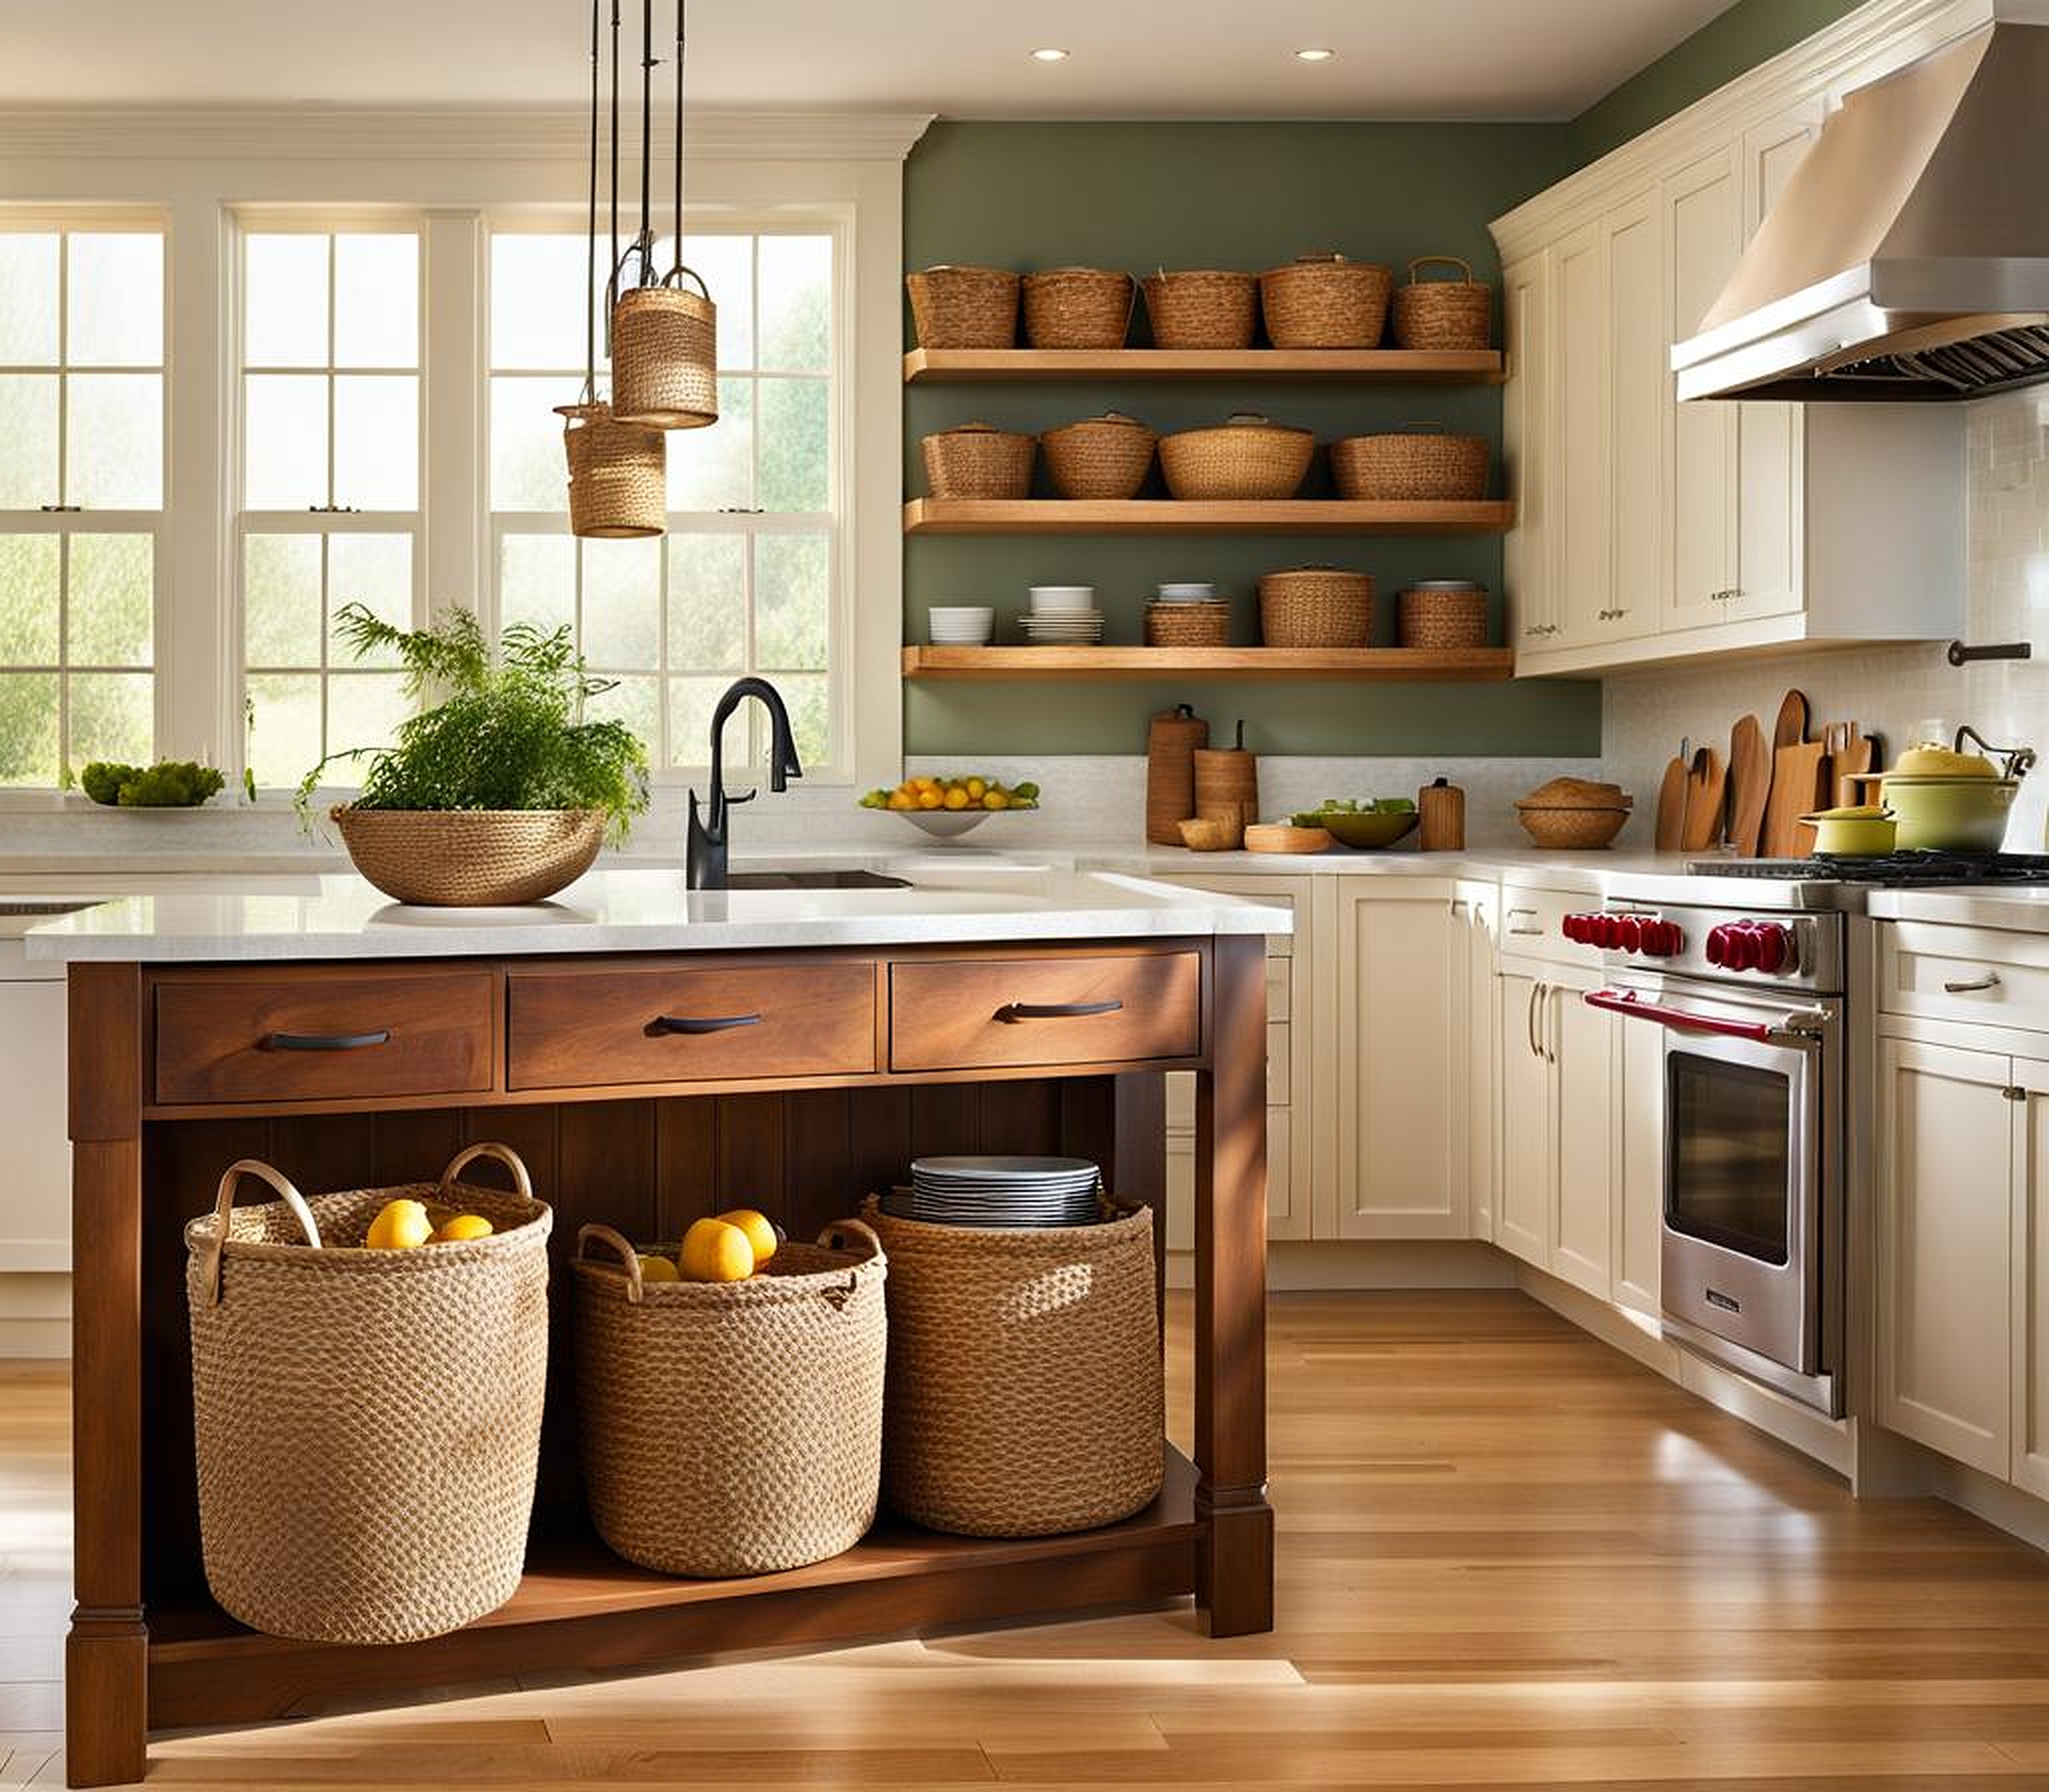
x=1063, y=597
x=1185, y=594
x=962, y=625
x=945, y=824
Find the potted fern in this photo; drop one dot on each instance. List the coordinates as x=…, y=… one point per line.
x=502, y=791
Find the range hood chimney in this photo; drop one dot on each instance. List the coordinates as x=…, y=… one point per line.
x=1908, y=258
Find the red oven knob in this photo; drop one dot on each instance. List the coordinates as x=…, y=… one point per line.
x=1763, y=945
x=1578, y=928
x=1663, y=938
x=1775, y=946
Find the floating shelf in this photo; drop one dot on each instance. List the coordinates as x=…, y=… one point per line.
x=1006, y=366
x=1126, y=665
x=1170, y=516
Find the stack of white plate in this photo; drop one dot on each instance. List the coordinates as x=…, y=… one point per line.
x=1062, y=616
x=1004, y=1190
x=1185, y=594
x=963, y=625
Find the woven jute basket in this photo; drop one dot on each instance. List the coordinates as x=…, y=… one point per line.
x=1203, y=308
x=732, y=1428
x=1105, y=456
x=1078, y=307
x=1189, y=625
x=367, y=1423
x=1317, y=607
x=1417, y=461
x=979, y=461
x=1245, y=457
x=1582, y=830
x=1024, y=1394
x=471, y=858
x=1446, y=614
x=1324, y=301
x=666, y=356
x=618, y=474
x=964, y=307
x=1442, y=313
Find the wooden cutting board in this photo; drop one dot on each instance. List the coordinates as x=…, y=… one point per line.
x=1791, y=728
x=1749, y=785
x=1671, y=794
x=1800, y=785
x=1706, y=785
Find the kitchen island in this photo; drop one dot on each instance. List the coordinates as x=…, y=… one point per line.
x=352, y=1043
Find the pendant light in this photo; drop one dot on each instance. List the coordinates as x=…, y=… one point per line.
x=618, y=476
x=665, y=337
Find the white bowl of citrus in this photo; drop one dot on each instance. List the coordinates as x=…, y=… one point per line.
x=947, y=807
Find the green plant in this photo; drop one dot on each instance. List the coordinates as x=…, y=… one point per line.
x=169, y=784
x=505, y=731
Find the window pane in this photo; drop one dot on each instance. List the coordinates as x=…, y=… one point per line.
x=364, y=710
x=792, y=579
x=727, y=264
x=284, y=301
x=794, y=446
x=809, y=700
x=622, y=603
x=29, y=298
x=708, y=603
x=377, y=441
x=537, y=579
x=114, y=441
x=377, y=300
x=112, y=608
x=28, y=575
x=707, y=468
x=635, y=702
x=528, y=471
x=284, y=733
x=796, y=303
x=284, y=432
x=115, y=290
x=27, y=440
x=281, y=601
x=537, y=300
x=28, y=727
x=112, y=718
x=691, y=701
x=376, y=571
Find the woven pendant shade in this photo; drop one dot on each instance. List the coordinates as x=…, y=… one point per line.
x=618, y=474
x=666, y=357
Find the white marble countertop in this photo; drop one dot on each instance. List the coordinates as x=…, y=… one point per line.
x=2018, y=908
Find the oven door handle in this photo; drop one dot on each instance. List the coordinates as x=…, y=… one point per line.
x=1795, y=1029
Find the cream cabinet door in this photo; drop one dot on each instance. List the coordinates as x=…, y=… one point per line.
x=1526, y=454
x=1640, y=1194
x=1945, y=1250
x=1522, y=1205
x=1581, y=353
x=1477, y=907
x=2030, y=1247
x=1633, y=253
x=1583, y=1069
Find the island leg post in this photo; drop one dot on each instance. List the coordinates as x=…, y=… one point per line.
x=1235, y=1576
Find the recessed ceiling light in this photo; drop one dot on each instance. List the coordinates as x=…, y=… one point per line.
x=1049, y=55
x=1314, y=55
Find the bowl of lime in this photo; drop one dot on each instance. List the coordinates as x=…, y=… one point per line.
x=1379, y=821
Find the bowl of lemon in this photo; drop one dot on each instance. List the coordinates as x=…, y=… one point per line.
x=946, y=808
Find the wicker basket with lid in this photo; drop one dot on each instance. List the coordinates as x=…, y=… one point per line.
x=1442, y=613
x=1324, y=301
x=977, y=460
x=1105, y=456
x=1246, y=457
x=1317, y=607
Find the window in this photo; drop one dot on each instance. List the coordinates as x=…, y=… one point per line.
x=748, y=578
x=330, y=485
x=81, y=494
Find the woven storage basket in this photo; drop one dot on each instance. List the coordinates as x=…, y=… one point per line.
x=1442, y=313
x=1324, y=301
x=1025, y=1392
x=1317, y=607
x=1189, y=625
x=732, y=1428
x=1417, y=461
x=666, y=356
x=618, y=474
x=367, y=1423
x=964, y=307
x=1078, y=307
x=979, y=461
x=1444, y=614
x=471, y=858
x=1105, y=456
x=1245, y=457
x=1569, y=829
x=1204, y=309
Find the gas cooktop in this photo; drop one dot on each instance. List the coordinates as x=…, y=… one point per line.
x=1892, y=870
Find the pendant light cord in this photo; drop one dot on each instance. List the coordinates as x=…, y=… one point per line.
x=612, y=285
x=590, y=233
x=676, y=270
x=647, y=133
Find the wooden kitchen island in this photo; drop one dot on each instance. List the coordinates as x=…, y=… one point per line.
x=890, y=1023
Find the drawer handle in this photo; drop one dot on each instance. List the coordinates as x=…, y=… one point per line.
x=1524, y=932
x=1972, y=986
x=1055, y=1010
x=710, y=1023
x=326, y=1042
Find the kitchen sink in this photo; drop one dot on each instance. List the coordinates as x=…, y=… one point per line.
x=815, y=880
x=29, y=906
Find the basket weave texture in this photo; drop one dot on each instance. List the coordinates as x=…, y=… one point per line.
x=1442, y=618
x=979, y=461
x=1025, y=1391
x=964, y=307
x=1317, y=607
x=1417, y=462
x=1189, y=625
x=1078, y=307
x=471, y=858
x=1324, y=301
x=1442, y=313
x=618, y=474
x=666, y=357
x=1202, y=309
x=367, y=1423
x=1246, y=458
x=1105, y=456
x=733, y=1428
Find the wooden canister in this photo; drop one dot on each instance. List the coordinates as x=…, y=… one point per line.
x=1442, y=806
x=1170, y=746
x=1228, y=777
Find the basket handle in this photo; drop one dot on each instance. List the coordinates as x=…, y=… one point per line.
x=617, y=1241
x=672, y=279
x=835, y=1237
x=231, y=1180
x=506, y=1156
x=1464, y=266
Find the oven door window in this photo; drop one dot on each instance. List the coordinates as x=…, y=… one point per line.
x=1729, y=1155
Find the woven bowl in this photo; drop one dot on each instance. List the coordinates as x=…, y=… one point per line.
x=1584, y=830
x=471, y=858
x=1417, y=463
x=1246, y=458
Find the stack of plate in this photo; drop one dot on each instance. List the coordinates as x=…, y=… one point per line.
x=1004, y=1190
x=1063, y=615
x=1185, y=594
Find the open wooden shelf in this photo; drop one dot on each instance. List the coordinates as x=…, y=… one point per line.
x=1172, y=516
x=1007, y=366
x=1127, y=665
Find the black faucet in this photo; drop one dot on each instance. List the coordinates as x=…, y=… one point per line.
x=704, y=857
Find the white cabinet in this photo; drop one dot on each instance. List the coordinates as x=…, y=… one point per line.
x=1475, y=909
x=1522, y=1205
x=1640, y=1188
x=35, y=1205
x=2030, y=1356
x=1526, y=451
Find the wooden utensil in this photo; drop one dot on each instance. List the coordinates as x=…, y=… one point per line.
x=1706, y=787
x=1791, y=728
x=1800, y=785
x=1280, y=836
x=1749, y=785
x=1855, y=756
x=1668, y=832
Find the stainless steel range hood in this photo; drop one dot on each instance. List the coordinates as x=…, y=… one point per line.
x=1909, y=256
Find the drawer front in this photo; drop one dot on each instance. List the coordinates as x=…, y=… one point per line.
x=1940, y=972
x=967, y=1014
x=570, y=1030
x=336, y=1037
x=1532, y=925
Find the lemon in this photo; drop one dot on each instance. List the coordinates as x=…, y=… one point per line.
x=761, y=1234
x=977, y=788
x=400, y=1225
x=956, y=797
x=902, y=799
x=995, y=799
x=930, y=800
x=658, y=1269
x=459, y=1227
x=715, y=1251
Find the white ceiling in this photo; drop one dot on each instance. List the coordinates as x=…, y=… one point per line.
x=1414, y=58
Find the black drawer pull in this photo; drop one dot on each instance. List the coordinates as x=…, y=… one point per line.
x=688, y=1023
x=326, y=1042
x=1055, y=1010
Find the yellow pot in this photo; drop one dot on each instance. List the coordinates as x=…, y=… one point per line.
x=1854, y=837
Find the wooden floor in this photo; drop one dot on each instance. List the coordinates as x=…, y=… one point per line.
x=1508, y=1557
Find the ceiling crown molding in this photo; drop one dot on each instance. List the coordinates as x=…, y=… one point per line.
x=434, y=134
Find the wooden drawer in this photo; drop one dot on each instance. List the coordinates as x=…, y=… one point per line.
x=336, y=1036
x=571, y=1028
x=1941, y=972
x=966, y=1014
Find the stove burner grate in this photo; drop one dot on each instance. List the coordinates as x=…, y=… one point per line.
x=1891, y=868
